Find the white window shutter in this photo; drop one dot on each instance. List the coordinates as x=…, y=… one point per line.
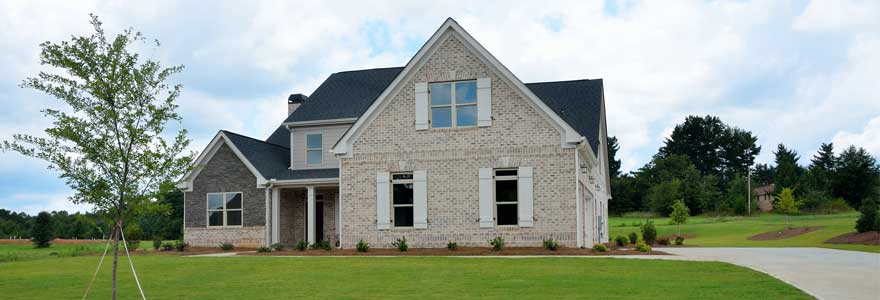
x=486, y=213
x=420, y=199
x=382, y=194
x=525, y=196
x=421, y=106
x=484, y=102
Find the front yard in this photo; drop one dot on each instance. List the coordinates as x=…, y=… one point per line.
x=175, y=277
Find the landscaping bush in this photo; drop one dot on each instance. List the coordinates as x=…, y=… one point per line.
x=277, y=246
x=679, y=240
x=452, y=246
x=133, y=245
x=643, y=247
x=551, y=244
x=167, y=246
x=633, y=238
x=400, y=244
x=649, y=232
x=301, y=245
x=663, y=241
x=600, y=248
x=362, y=246
x=157, y=243
x=321, y=245
x=226, y=246
x=620, y=241
x=181, y=246
x=264, y=249
x=869, y=220
x=497, y=243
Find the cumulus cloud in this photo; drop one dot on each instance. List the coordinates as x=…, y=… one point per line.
x=868, y=138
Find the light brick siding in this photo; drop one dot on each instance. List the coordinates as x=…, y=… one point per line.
x=293, y=216
x=519, y=136
x=225, y=173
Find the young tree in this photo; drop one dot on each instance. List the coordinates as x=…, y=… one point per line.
x=679, y=215
x=42, y=235
x=786, y=203
x=109, y=144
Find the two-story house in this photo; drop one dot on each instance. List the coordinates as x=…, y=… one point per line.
x=450, y=147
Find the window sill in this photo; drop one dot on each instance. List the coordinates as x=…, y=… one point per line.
x=224, y=227
x=467, y=128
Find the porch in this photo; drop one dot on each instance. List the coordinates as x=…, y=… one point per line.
x=302, y=213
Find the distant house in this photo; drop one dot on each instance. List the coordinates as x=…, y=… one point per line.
x=764, y=196
x=450, y=147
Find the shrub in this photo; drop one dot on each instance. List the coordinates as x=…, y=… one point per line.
x=362, y=246
x=321, y=245
x=41, y=234
x=679, y=240
x=633, y=238
x=649, y=232
x=551, y=244
x=663, y=241
x=263, y=249
x=497, y=243
x=277, y=246
x=181, y=246
x=620, y=241
x=226, y=246
x=301, y=245
x=643, y=247
x=600, y=248
x=167, y=246
x=869, y=220
x=133, y=245
x=157, y=242
x=452, y=246
x=400, y=244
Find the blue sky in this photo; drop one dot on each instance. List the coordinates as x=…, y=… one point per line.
x=793, y=72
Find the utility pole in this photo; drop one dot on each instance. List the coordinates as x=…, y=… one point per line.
x=749, y=186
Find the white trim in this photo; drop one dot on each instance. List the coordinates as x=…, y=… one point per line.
x=310, y=208
x=224, y=210
x=577, y=197
x=453, y=104
x=186, y=183
x=569, y=135
x=276, y=215
x=314, y=181
x=268, y=236
x=320, y=122
x=339, y=205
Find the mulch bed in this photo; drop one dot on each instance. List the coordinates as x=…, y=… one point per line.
x=784, y=233
x=461, y=251
x=864, y=238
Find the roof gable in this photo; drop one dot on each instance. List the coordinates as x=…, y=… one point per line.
x=344, y=95
x=578, y=102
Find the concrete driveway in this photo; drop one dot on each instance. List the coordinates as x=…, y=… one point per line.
x=823, y=273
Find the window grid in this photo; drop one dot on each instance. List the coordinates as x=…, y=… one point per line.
x=505, y=175
x=453, y=104
x=225, y=211
x=312, y=149
x=401, y=178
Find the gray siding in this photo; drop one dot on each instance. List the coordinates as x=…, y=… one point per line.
x=332, y=134
x=225, y=173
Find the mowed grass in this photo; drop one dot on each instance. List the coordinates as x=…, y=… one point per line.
x=734, y=231
x=25, y=252
x=173, y=277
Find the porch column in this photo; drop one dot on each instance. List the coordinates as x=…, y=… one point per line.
x=310, y=206
x=276, y=215
x=267, y=240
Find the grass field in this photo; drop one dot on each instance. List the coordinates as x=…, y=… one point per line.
x=174, y=277
x=734, y=231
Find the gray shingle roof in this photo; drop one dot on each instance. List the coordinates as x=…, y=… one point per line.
x=578, y=102
x=272, y=160
x=345, y=95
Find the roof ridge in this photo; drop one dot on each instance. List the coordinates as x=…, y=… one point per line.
x=371, y=69
x=562, y=81
x=247, y=137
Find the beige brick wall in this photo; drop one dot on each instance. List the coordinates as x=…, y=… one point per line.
x=519, y=136
x=212, y=237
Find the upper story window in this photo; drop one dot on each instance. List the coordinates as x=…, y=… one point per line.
x=506, y=198
x=453, y=104
x=402, y=199
x=224, y=209
x=314, y=149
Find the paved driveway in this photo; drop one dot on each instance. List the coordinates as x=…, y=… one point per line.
x=823, y=273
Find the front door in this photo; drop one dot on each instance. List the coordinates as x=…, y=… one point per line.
x=319, y=221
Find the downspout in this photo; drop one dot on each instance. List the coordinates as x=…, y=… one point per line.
x=339, y=205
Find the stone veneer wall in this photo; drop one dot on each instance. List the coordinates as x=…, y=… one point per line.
x=225, y=173
x=519, y=136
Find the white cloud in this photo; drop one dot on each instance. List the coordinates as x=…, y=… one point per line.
x=868, y=138
x=34, y=203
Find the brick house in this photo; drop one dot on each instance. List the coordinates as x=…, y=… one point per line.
x=450, y=147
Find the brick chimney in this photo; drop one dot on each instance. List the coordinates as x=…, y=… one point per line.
x=294, y=101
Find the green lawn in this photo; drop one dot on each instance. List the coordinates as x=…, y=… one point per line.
x=734, y=231
x=173, y=277
x=24, y=252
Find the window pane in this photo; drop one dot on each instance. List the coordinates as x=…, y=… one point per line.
x=215, y=218
x=233, y=218
x=313, y=141
x=507, y=214
x=441, y=117
x=441, y=94
x=215, y=201
x=466, y=92
x=313, y=157
x=466, y=115
x=408, y=176
x=403, y=193
x=403, y=216
x=505, y=172
x=233, y=200
x=505, y=191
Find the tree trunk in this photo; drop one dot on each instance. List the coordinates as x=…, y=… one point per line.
x=116, y=253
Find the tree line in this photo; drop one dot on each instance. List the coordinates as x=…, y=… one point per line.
x=165, y=224
x=706, y=163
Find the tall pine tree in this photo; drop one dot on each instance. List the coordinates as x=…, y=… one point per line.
x=820, y=173
x=857, y=176
x=788, y=173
